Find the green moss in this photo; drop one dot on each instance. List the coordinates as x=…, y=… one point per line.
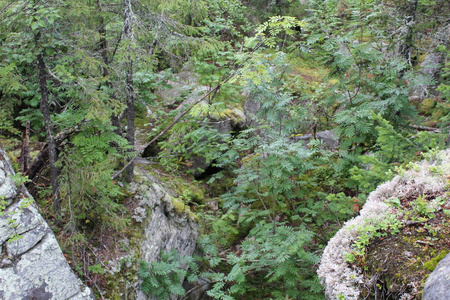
x=432, y=263
x=236, y=115
x=427, y=105
x=181, y=207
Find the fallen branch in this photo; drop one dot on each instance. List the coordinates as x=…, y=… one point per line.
x=41, y=159
x=425, y=128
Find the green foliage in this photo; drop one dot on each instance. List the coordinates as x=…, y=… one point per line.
x=2, y=205
x=444, y=88
x=11, y=221
x=19, y=179
x=272, y=262
x=87, y=190
x=418, y=210
x=391, y=151
x=369, y=231
x=342, y=74
x=164, y=278
x=97, y=269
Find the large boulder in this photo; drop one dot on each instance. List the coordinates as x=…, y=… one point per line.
x=167, y=222
x=437, y=286
x=32, y=265
x=327, y=137
x=399, y=222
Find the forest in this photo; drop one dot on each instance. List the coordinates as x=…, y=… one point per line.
x=270, y=122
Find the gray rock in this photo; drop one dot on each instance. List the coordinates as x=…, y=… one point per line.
x=7, y=186
x=327, y=137
x=198, y=290
x=222, y=126
x=429, y=69
x=181, y=87
x=198, y=165
x=164, y=228
x=32, y=265
x=174, y=94
x=194, y=97
x=431, y=65
x=251, y=107
x=437, y=286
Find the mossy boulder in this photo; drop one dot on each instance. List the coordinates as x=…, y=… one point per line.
x=438, y=283
x=404, y=225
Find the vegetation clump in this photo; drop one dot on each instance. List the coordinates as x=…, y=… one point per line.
x=402, y=226
x=215, y=94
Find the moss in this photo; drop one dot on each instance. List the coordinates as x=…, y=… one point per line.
x=236, y=115
x=181, y=207
x=402, y=261
x=194, y=194
x=427, y=105
x=432, y=263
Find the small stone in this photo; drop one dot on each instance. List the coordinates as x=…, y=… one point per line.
x=408, y=254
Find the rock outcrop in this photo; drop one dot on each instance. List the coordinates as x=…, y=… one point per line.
x=327, y=137
x=437, y=286
x=167, y=223
x=421, y=192
x=32, y=265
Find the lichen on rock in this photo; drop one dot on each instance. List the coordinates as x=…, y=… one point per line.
x=32, y=265
x=394, y=256
x=166, y=225
x=438, y=283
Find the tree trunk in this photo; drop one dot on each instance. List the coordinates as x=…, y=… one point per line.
x=45, y=109
x=405, y=48
x=115, y=121
x=130, y=117
x=41, y=160
x=25, y=153
x=129, y=87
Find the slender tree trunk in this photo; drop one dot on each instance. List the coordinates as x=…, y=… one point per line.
x=129, y=86
x=25, y=153
x=45, y=109
x=130, y=117
x=115, y=121
x=406, y=47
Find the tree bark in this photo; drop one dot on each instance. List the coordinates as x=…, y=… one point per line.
x=129, y=86
x=41, y=160
x=115, y=121
x=25, y=153
x=130, y=118
x=406, y=47
x=45, y=109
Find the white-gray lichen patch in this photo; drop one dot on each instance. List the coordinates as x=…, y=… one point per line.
x=342, y=280
x=164, y=228
x=32, y=265
x=7, y=186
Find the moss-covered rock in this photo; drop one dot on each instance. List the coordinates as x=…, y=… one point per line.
x=369, y=259
x=432, y=263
